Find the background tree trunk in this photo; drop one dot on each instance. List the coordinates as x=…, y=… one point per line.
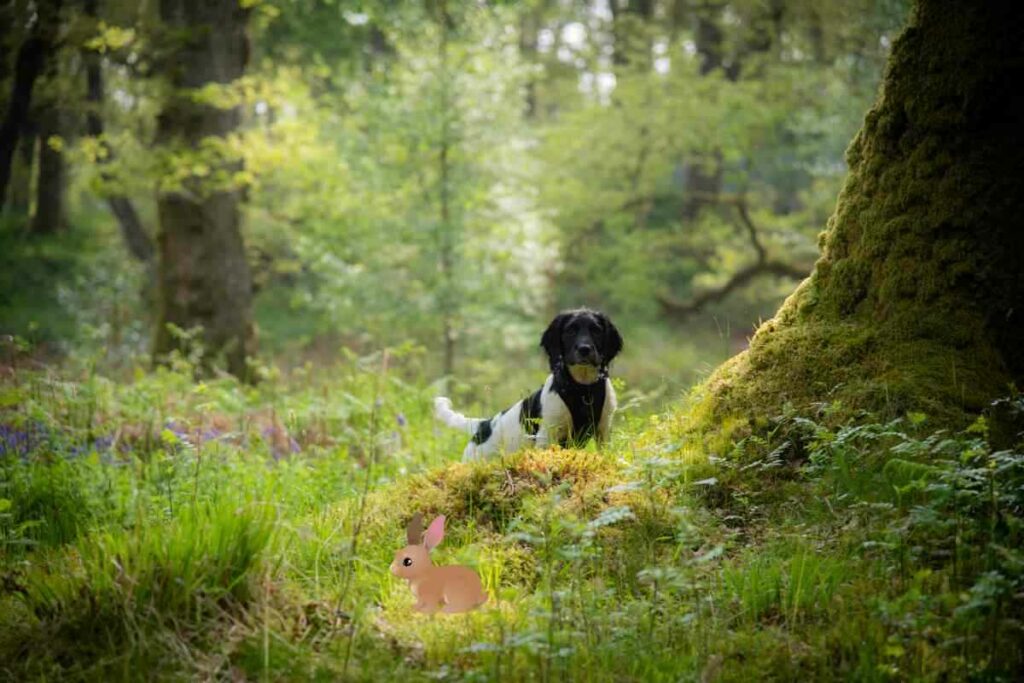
x=51, y=182
x=631, y=43
x=19, y=192
x=916, y=301
x=138, y=241
x=28, y=65
x=704, y=176
x=204, y=277
x=449, y=298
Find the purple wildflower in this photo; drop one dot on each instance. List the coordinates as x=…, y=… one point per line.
x=21, y=441
x=274, y=437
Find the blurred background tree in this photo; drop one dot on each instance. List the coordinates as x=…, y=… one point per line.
x=440, y=173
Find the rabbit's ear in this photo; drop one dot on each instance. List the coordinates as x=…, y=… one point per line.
x=435, y=532
x=414, y=531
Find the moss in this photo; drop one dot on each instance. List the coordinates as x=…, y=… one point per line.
x=915, y=302
x=491, y=494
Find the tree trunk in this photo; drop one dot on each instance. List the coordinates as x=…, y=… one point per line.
x=448, y=299
x=204, y=277
x=529, y=26
x=19, y=192
x=631, y=39
x=51, y=182
x=135, y=236
x=916, y=301
x=703, y=177
x=28, y=65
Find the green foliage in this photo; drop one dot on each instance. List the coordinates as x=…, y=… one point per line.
x=564, y=177
x=30, y=277
x=626, y=151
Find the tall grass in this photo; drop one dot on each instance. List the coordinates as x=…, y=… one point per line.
x=163, y=528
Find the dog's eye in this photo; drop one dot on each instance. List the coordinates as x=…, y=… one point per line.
x=407, y=562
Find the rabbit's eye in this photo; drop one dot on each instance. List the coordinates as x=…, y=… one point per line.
x=407, y=562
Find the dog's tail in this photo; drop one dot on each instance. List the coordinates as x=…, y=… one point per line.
x=443, y=412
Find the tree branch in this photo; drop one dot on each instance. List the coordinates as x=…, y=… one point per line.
x=761, y=266
x=755, y=240
x=744, y=276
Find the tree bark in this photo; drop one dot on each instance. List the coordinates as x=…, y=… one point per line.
x=916, y=300
x=28, y=65
x=204, y=278
x=51, y=182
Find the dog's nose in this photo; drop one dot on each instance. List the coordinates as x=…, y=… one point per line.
x=585, y=350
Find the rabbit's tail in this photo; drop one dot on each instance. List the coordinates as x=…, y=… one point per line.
x=443, y=412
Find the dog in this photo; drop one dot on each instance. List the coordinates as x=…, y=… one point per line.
x=576, y=402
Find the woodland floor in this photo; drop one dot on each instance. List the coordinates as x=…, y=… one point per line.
x=164, y=529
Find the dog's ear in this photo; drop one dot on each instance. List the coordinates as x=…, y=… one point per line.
x=612, y=339
x=551, y=340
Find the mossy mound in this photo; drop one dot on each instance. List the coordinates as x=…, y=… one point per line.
x=490, y=495
x=489, y=505
x=481, y=501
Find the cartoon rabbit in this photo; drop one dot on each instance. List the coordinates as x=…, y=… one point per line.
x=451, y=589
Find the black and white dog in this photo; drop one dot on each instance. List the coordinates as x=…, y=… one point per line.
x=575, y=403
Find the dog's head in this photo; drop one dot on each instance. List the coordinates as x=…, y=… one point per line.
x=581, y=338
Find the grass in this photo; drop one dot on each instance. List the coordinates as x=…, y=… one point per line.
x=160, y=528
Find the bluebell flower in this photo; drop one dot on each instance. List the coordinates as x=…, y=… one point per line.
x=22, y=441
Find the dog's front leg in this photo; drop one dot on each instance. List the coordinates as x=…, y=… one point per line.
x=551, y=433
x=604, y=425
x=604, y=429
x=556, y=420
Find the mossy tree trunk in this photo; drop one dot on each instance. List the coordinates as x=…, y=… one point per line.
x=917, y=301
x=204, y=277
